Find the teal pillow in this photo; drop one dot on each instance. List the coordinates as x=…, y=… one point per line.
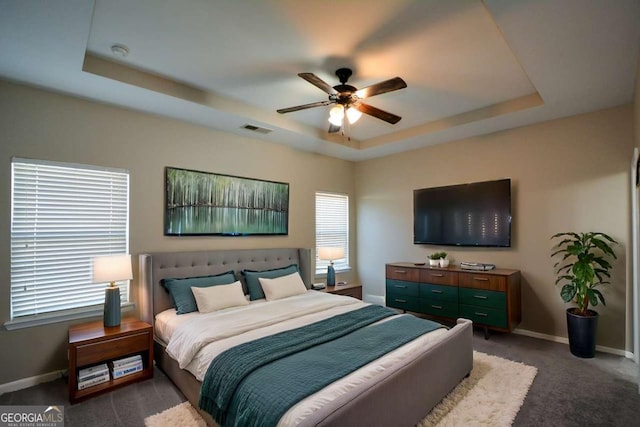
x=253, y=284
x=180, y=289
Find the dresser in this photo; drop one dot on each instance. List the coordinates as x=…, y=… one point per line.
x=490, y=299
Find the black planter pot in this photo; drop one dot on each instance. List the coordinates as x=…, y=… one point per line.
x=582, y=333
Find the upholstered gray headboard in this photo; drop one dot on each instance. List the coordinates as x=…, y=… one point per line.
x=154, y=267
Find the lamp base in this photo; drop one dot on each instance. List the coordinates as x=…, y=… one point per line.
x=112, y=306
x=331, y=276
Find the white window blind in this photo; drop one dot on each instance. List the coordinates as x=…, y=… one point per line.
x=62, y=215
x=332, y=228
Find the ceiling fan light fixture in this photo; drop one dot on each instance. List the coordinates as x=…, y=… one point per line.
x=336, y=115
x=353, y=115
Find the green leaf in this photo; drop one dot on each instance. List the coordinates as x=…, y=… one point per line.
x=593, y=299
x=603, y=263
x=604, y=247
x=599, y=295
x=565, y=277
x=568, y=292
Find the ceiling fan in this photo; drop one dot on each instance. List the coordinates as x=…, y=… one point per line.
x=348, y=99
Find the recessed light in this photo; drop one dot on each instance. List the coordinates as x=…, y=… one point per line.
x=120, y=50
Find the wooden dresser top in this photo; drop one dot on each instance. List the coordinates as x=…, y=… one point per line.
x=456, y=268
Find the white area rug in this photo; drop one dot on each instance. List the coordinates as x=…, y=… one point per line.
x=491, y=396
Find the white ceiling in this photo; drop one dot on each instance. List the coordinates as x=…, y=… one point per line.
x=472, y=67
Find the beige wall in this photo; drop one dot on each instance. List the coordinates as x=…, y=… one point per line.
x=568, y=174
x=43, y=125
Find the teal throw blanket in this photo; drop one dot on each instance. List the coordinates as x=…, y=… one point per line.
x=257, y=382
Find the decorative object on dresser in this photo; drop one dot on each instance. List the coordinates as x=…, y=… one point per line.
x=584, y=266
x=112, y=268
x=490, y=299
x=93, y=347
x=478, y=266
x=434, y=258
x=348, y=289
x=330, y=254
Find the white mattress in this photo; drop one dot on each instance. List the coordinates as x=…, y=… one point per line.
x=195, y=346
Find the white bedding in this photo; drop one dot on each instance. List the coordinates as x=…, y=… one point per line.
x=194, y=339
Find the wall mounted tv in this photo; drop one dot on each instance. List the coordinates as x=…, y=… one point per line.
x=476, y=214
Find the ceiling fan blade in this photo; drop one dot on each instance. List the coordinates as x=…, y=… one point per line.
x=304, y=107
x=333, y=128
x=376, y=112
x=318, y=82
x=382, y=87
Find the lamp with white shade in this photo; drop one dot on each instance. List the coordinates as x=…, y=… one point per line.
x=330, y=254
x=112, y=268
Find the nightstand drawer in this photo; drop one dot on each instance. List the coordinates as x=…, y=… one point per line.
x=351, y=292
x=439, y=277
x=403, y=273
x=482, y=298
x=439, y=308
x=88, y=354
x=484, y=315
x=401, y=287
x=403, y=302
x=439, y=292
x=483, y=281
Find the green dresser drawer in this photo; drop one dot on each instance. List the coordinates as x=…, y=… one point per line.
x=403, y=302
x=484, y=315
x=482, y=298
x=439, y=307
x=401, y=287
x=439, y=292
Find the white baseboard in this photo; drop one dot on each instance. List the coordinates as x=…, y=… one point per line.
x=374, y=299
x=29, y=382
x=563, y=340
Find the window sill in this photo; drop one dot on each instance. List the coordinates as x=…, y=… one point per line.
x=323, y=273
x=61, y=316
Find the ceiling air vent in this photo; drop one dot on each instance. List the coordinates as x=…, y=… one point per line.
x=254, y=128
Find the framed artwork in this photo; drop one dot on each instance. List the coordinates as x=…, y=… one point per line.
x=203, y=203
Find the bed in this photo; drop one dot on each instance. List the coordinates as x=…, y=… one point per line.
x=402, y=390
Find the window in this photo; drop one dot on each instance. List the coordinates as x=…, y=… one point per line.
x=62, y=215
x=332, y=228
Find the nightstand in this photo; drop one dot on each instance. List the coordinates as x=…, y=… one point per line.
x=92, y=343
x=350, y=290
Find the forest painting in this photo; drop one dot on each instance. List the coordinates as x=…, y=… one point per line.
x=202, y=203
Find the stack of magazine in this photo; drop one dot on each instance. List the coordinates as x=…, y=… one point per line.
x=93, y=375
x=127, y=366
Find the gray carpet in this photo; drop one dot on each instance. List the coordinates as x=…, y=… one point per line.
x=567, y=391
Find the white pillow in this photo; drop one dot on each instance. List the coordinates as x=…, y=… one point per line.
x=217, y=297
x=282, y=287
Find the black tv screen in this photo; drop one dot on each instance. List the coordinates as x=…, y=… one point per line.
x=476, y=214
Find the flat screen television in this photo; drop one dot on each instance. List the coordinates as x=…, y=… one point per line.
x=476, y=214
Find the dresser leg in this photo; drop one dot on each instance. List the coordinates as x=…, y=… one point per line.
x=486, y=333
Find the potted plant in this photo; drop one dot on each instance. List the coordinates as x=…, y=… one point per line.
x=444, y=262
x=434, y=259
x=584, y=266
